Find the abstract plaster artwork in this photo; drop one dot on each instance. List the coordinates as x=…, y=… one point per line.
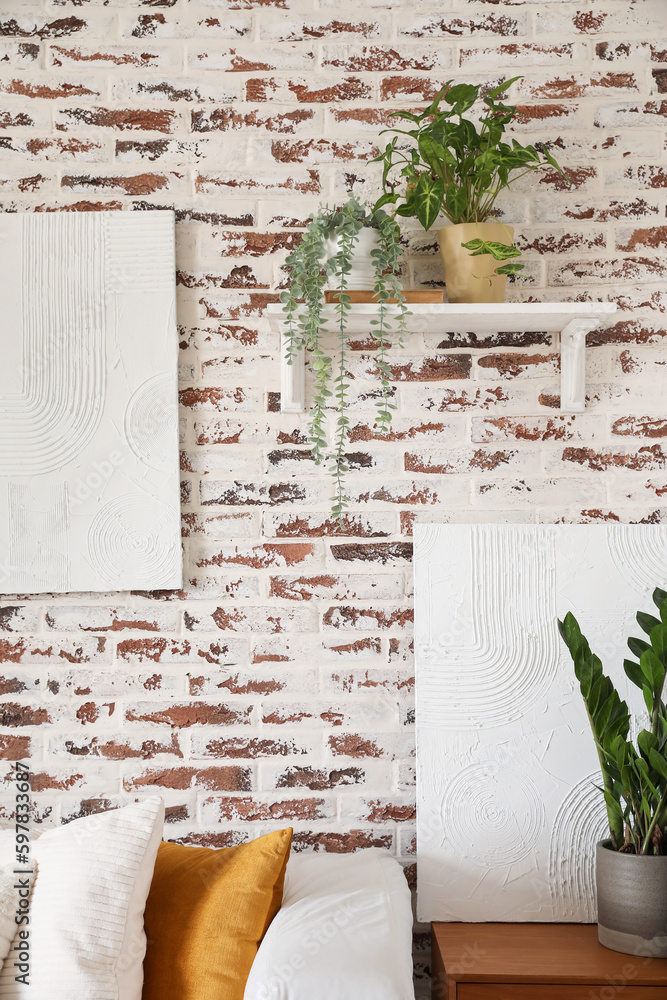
x=508, y=812
x=88, y=403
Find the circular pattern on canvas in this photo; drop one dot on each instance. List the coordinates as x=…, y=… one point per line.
x=581, y=821
x=493, y=812
x=131, y=537
x=151, y=424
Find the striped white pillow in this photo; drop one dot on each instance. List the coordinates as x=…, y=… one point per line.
x=87, y=937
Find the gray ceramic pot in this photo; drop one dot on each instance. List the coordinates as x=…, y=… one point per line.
x=632, y=902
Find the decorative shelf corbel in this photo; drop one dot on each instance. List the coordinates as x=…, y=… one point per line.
x=572, y=320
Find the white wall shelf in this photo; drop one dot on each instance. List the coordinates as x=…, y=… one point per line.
x=572, y=320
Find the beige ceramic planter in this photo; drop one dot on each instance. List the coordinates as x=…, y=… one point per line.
x=471, y=279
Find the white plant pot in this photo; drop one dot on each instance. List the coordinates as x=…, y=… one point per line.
x=362, y=275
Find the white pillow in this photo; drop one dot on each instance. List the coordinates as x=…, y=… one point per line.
x=87, y=939
x=344, y=932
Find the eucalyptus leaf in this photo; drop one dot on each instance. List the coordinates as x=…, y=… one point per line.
x=311, y=265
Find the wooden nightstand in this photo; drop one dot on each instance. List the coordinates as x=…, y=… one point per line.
x=538, y=962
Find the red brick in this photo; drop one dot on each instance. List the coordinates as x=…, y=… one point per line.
x=642, y=239
x=12, y=714
x=522, y=53
x=246, y=682
x=382, y=58
x=577, y=85
x=425, y=369
x=341, y=843
x=14, y=747
x=337, y=588
x=47, y=91
x=133, y=119
x=218, y=779
x=195, y=713
x=645, y=458
x=247, y=747
x=126, y=55
x=410, y=88
x=147, y=183
x=229, y=119
x=319, y=151
x=226, y=838
x=307, y=525
x=228, y=809
x=373, y=552
x=457, y=26
x=319, y=779
x=383, y=810
x=368, y=619
x=401, y=682
x=251, y=619
x=261, y=184
x=467, y=461
x=642, y=427
x=511, y=365
x=363, y=745
x=115, y=748
x=562, y=428
x=262, y=556
x=69, y=618
x=272, y=88
x=27, y=27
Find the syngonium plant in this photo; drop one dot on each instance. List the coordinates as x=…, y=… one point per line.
x=317, y=261
x=444, y=163
x=634, y=778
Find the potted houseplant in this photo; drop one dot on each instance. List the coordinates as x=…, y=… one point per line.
x=444, y=164
x=348, y=247
x=632, y=863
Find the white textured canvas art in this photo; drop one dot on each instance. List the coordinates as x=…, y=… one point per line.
x=88, y=402
x=508, y=811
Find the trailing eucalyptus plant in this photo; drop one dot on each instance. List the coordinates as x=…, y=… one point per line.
x=317, y=261
x=634, y=779
x=448, y=164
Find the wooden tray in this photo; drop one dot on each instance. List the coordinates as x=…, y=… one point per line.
x=423, y=295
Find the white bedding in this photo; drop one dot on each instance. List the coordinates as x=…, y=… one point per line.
x=344, y=932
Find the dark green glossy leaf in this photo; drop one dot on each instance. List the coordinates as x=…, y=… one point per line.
x=659, y=641
x=646, y=622
x=633, y=672
x=638, y=646
x=462, y=97
x=653, y=669
x=659, y=597
x=658, y=763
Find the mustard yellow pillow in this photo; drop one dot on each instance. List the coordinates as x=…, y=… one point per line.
x=206, y=914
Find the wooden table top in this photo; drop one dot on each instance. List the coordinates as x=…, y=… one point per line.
x=539, y=953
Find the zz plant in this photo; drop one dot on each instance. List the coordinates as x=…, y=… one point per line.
x=446, y=163
x=634, y=777
x=325, y=256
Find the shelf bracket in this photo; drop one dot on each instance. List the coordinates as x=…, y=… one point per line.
x=573, y=364
x=292, y=380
